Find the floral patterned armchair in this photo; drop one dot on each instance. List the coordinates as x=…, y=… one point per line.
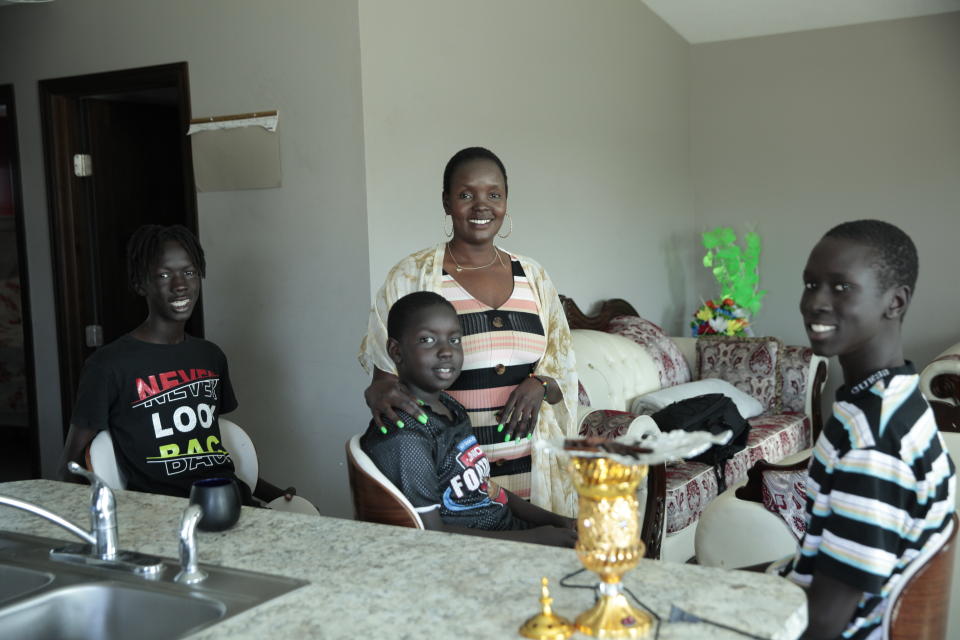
x=621, y=356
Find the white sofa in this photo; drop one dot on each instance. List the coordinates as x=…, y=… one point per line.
x=614, y=370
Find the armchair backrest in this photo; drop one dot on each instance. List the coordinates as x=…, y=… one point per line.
x=919, y=604
x=102, y=459
x=612, y=369
x=242, y=452
x=688, y=347
x=375, y=498
x=940, y=384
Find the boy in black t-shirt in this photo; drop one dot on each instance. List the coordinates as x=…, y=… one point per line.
x=158, y=390
x=437, y=463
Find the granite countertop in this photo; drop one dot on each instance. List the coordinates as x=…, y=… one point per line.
x=369, y=580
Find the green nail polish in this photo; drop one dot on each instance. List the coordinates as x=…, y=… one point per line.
x=422, y=418
x=383, y=430
x=529, y=435
x=420, y=402
x=400, y=424
x=499, y=428
x=507, y=438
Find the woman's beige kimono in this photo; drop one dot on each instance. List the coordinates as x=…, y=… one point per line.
x=550, y=485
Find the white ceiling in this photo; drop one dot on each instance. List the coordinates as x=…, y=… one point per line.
x=712, y=20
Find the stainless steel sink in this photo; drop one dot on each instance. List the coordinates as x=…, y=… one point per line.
x=43, y=598
x=107, y=610
x=16, y=581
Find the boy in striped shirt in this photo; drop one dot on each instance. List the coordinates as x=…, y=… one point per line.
x=880, y=484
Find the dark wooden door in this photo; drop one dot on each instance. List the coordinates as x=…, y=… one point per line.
x=19, y=450
x=132, y=124
x=136, y=179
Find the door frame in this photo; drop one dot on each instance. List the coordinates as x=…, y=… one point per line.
x=70, y=199
x=7, y=97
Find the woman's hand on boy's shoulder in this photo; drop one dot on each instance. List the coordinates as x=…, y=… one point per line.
x=385, y=395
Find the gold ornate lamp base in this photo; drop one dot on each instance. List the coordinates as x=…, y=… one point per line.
x=613, y=616
x=608, y=543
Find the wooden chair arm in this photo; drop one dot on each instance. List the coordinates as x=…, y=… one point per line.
x=947, y=416
x=599, y=321
x=940, y=385
x=946, y=385
x=946, y=413
x=652, y=530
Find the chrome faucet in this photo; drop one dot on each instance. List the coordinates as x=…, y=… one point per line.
x=190, y=572
x=103, y=513
x=50, y=516
x=101, y=541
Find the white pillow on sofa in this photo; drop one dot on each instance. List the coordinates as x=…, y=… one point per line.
x=747, y=405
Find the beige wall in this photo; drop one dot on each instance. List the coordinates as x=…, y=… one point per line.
x=587, y=105
x=288, y=267
x=795, y=133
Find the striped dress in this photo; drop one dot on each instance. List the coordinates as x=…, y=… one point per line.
x=550, y=485
x=501, y=347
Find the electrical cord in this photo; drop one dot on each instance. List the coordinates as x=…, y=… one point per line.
x=676, y=613
x=565, y=582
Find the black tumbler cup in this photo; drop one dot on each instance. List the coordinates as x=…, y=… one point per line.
x=220, y=500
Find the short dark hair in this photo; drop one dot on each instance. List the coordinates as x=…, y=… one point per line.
x=896, y=255
x=470, y=154
x=404, y=309
x=146, y=244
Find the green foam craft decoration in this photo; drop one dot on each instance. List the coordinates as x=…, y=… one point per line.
x=736, y=269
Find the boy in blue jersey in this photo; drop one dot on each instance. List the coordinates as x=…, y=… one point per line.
x=436, y=462
x=880, y=483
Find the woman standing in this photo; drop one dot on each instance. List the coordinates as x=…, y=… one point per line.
x=518, y=379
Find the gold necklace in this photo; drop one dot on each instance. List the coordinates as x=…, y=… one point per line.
x=459, y=268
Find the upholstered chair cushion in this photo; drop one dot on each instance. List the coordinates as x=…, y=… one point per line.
x=785, y=494
x=692, y=485
x=750, y=364
x=612, y=369
x=794, y=365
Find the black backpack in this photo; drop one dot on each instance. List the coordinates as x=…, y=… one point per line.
x=713, y=412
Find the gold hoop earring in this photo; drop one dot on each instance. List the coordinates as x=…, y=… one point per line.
x=443, y=225
x=510, y=218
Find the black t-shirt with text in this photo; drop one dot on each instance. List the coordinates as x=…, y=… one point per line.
x=160, y=403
